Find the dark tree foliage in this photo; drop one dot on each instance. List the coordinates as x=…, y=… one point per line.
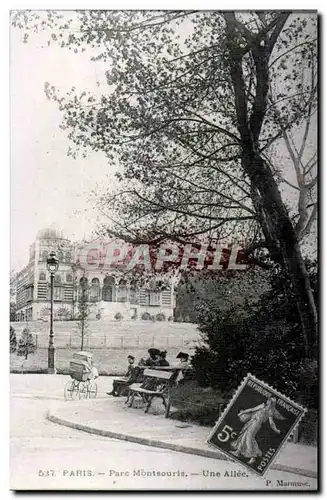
x=224, y=289
x=262, y=338
x=13, y=340
x=26, y=344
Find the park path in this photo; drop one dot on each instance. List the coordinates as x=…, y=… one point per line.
x=38, y=446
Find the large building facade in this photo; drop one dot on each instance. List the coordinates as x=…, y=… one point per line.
x=110, y=294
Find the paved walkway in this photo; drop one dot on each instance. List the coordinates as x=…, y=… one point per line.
x=110, y=417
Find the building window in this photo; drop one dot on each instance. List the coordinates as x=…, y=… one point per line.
x=68, y=257
x=42, y=291
x=133, y=293
x=83, y=288
x=29, y=293
x=42, y=277
x=154, y=299
x=122, y=291
x=166, y=297
x=107, y=290
x=57, y=293
x=60, y=255
x=44, y=255
x=95, y=290
x=69, y=278
x=57, y=278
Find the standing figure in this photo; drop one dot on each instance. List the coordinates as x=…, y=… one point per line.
x=246, y=444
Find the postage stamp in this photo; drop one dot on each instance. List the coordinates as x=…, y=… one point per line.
x=255, y=425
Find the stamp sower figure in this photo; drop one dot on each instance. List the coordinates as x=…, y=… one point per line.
x=246, y=444
x=120, y=383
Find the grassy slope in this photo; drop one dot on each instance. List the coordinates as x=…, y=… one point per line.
x=110, y=342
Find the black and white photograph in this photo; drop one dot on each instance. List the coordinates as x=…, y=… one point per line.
x=164, y=313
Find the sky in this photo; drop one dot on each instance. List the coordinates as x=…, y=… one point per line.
x=47, y=186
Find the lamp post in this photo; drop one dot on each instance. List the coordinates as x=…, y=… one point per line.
x=52, y=266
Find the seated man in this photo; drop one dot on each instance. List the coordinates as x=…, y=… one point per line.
x=162, y=359
x=119, y=384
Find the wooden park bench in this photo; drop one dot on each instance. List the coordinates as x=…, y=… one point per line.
x=157, y=383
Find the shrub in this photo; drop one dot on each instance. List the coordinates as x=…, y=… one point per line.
x=118, y=316
x=146, y=316
x=196, y=404
x=63, y=314
x=308, y=383
x=26, y=344
x=308, y=429
x=160, y=317
x=263, y=338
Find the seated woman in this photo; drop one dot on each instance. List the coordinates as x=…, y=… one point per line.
x=153, y=359
x=94, y=374
x=120, y=384
x=186, y=372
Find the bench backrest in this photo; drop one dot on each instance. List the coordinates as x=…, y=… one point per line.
x=160, y=374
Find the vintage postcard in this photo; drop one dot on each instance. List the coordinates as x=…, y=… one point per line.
x=164, y=228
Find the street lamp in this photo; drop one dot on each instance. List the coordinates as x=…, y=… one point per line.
x=52, y=266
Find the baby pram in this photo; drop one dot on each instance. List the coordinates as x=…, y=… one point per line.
x=83, y=375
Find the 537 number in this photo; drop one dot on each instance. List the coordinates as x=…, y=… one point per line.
x=226, y=433
x=47, y=473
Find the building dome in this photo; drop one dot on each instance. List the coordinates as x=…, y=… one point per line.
x=50, y=233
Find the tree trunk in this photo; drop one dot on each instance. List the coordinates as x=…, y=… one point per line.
x=287, y=245
x=277, y=227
